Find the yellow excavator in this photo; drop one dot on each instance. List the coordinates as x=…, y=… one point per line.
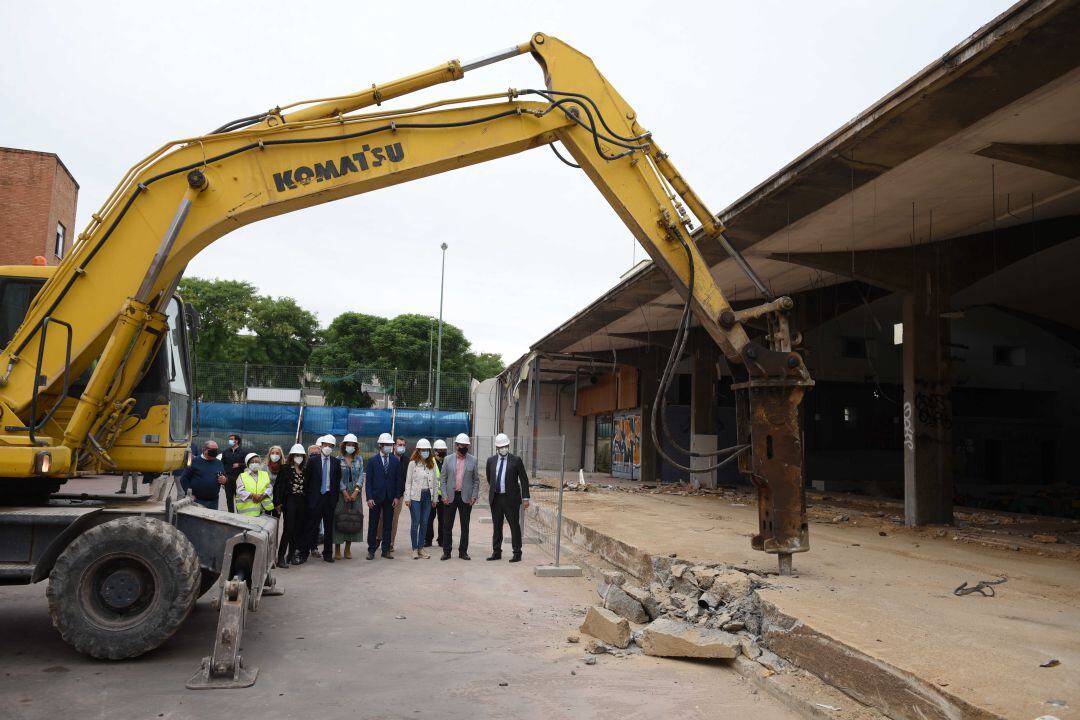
x=96, y=375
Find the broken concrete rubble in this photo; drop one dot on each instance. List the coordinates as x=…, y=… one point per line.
x=614, y=577
x=704, y=576
x=671, y=638
x=730, y=585
x=605, y=625
x=616, y=600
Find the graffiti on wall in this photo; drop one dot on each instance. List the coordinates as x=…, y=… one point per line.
x=626, y=446
x=934, y=410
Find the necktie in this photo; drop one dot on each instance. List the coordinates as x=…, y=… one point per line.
x=499, y=475
x=326, y=475
x=385, y=463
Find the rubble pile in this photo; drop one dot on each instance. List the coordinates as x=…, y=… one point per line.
x=692, y=611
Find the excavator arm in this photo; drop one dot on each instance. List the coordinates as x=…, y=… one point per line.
x=112, y=289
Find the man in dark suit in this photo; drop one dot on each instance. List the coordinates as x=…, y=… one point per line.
x=322, y=484
x=508, y=488
x=383, y=495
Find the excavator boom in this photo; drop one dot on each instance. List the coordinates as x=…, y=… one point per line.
x=112, y=289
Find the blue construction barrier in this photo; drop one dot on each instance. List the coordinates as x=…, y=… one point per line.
x=273, y=419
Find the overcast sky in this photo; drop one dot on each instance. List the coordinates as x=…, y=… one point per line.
x=732, y=90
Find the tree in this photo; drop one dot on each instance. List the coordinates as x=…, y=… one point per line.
x=485, y=365
x=348, y=347
x=224, y=308
x=284, y=332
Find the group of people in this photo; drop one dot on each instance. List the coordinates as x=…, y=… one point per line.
x=326, y=487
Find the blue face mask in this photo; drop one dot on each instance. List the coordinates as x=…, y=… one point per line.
x=387, y=449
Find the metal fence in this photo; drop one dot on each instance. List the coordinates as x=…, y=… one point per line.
x=352, y=387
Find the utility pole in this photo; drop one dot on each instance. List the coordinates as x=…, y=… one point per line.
x=438, y=365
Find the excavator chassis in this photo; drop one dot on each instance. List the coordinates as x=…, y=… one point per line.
x=234, y=554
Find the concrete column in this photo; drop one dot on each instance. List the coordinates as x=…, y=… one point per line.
x=927, y=411
x=650, y=371
x=703, y=379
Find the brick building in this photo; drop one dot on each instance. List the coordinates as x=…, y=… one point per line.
x=37, y=207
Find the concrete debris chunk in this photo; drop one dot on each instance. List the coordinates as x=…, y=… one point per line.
x=616, y=600
x=614, y=577
x=573, y=638
x=693, y=613
x=704, y=576
x=734, y=626
x=680, y=601
x=677, y=571
x=749, y=647
x=671, y=638
x=605, y=625
x=771, y=661
x=638, y=593
x=730, y=585
x=590, y=660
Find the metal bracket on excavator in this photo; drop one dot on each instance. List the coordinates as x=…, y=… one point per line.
x=225, y=667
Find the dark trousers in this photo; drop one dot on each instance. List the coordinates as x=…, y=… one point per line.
x=429, y=538
x=385, y=511
x=463, y=508
x=324, y=511
x=294, y=512
x=502, y=508
x=230, y=493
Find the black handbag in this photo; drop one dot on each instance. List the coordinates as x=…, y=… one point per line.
x=349, y=519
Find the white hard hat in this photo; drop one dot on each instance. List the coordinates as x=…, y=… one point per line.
x=328, y=439
x=247, y=458
x=440, y=444
x=350, y=438
x=501, y=440
x=462, y=439
x=386, y=439
x=298, y=449
x=423, y=444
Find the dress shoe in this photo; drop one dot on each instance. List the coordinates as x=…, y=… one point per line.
x=464, y=556
x=328, y=558
x=301, y=560
x=516, y=558
x=293, y=560
x=371, y=556
x=282, y=563
x=388, y=555
x=495, y=556
x=445, y=556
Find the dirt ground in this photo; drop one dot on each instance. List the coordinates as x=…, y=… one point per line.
x=475, y=640
x=887, y=591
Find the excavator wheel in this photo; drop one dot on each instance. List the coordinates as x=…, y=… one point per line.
x=124, y=587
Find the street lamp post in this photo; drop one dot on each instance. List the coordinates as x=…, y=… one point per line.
x=430, y=355
x=438, y=362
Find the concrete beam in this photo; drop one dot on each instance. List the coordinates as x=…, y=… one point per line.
x=1058, y=158
x=964, y=260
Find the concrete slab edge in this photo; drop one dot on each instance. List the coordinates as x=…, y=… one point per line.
x=892, y=692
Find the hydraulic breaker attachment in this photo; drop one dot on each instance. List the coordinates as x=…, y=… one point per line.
x=225, y=667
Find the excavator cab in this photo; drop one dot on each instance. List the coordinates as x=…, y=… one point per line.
x=156, y=436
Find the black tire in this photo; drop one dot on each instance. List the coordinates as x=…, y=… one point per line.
x=124, y=587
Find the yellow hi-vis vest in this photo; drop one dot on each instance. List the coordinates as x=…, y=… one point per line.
x=254, y=486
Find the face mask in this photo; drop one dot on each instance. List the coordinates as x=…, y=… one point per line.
x=212, y=453
x=298, y=460
x=504, y=451
x=232, y=443
x=274, y=457
x=462, y=450
x=387, y=449
x=399, y=449
x=440, y=453
x=253, y=467
x=425, y=454
x=350, y=449
x=327, y=450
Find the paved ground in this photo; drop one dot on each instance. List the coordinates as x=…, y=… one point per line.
x=889, y=594
x=333, y=648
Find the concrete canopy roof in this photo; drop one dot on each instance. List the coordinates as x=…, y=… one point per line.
x=906, y=171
